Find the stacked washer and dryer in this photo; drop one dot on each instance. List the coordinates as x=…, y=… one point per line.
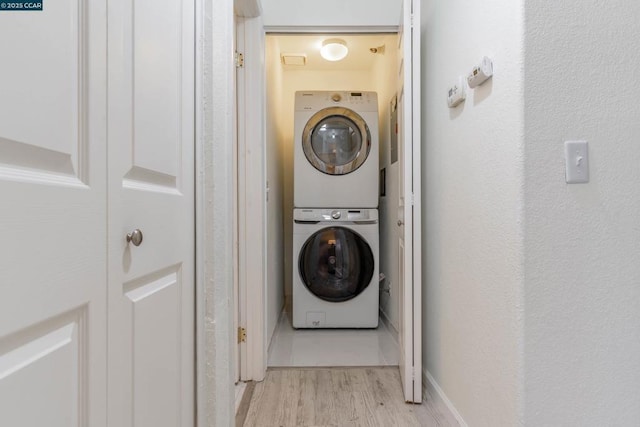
x=335, y=229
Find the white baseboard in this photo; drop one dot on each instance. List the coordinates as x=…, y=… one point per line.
x=389, y=325
x=271, y=335
x=430, y=386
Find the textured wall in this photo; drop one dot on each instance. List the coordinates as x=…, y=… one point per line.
x=215, y=332
x=333, y=13
x=275, y=173
x=472, y=214
x=582, y=267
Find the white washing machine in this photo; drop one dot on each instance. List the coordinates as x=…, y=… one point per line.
x=335, y=272
x=336, y=150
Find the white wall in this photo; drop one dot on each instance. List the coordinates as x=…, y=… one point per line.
x=275, y=224
x=472, y=213
x=385, y=78
x=582, y=269
x=332, y=13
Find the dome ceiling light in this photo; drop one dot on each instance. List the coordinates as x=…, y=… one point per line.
x=334, y=49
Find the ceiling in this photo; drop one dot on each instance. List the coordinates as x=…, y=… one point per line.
x=359, y=57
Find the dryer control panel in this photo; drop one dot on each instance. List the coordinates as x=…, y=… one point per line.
x=335, y=215
x=317, y=100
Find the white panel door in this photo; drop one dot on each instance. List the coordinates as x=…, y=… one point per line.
x=409, y=225
x=52, y=216
x=151, y=188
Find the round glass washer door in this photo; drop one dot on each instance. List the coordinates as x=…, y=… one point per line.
x=336, y=141
x=336, y=264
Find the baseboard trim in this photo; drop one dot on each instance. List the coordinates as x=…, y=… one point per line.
x=431, y=387
x=389, y=325
x=273, y=333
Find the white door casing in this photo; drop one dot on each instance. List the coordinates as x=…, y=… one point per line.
x=409, y=219
x=238, y=134
x=151, y=351
x=252, y=200
x=410, y=262
x=52, y=227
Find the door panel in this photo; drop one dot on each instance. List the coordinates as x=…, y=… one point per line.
x=43, y=366
x=156, y=316
x=151, y=152
x=42, y=84
x=409, y=217
x=157, y=55
x=53, y=228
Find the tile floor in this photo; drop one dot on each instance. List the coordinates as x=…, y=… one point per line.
x=332, y=347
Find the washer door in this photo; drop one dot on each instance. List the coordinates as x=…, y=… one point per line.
x=336, y=141
x=336, y=264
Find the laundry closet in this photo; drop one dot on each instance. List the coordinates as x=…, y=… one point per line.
x=332, y=210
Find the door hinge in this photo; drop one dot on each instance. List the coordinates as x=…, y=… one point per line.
x=239, y=60
x=413, y=199
x=242, y=334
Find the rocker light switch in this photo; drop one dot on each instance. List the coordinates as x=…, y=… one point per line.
x=576, y=155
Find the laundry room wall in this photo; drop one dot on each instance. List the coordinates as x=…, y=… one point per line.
x=472, y=182
x=296, y=13
x=385, y=78
x=582, y=265
x=275, y=199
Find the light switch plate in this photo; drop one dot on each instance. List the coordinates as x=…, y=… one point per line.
x=576, y=155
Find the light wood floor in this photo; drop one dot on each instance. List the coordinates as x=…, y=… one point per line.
x=369, y=396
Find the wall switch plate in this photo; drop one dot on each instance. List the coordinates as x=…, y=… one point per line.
x=576, y=155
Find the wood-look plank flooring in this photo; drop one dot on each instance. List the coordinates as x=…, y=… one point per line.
x=368, y=396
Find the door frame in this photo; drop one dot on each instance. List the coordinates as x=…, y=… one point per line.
x=252, y=193
x=252, y=199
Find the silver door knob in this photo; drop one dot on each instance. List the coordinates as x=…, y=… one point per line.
x=135, y=237
x=400, y=223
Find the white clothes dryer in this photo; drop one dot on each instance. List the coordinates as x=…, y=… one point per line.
x=336, y=148
x=335, y=273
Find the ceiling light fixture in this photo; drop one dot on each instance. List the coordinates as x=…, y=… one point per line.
x=334, y=49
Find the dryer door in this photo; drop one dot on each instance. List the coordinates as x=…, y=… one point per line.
x=336, y=264
x=336, y=141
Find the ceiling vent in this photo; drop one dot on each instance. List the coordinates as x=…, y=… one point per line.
x=299, y=59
